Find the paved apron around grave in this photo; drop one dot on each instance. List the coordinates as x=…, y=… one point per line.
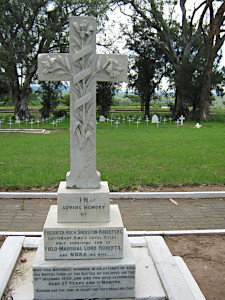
x=155, y=214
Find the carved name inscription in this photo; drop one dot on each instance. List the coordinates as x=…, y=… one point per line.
x=83, y=243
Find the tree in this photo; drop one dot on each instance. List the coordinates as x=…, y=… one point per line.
x=214, y=37
x=104, y=96
x=50, y=93
x=147, y=64
x=185, y=42
x=30, y=27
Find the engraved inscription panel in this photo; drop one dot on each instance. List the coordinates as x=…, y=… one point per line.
x=90, y=243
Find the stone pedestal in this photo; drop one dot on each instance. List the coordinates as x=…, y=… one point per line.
x=85, y=252
x=83, y=240
x=83, y=205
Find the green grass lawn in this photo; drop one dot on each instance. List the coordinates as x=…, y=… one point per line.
x=127, y=157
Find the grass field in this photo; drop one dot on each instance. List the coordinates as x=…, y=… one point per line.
x=127, y=157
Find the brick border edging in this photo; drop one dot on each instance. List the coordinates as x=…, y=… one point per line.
x=138, y=196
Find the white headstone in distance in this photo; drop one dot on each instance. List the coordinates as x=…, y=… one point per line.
x=102, y=119
x=111, y=120
x=137, y=122
x=198, y=125
x=178, y=122
x=129, y=120
x=117, y=122
x=31, y=123
x=10, y=123
x=182, y=118
x=155, y=119
x=17, y=119
x=164, y=120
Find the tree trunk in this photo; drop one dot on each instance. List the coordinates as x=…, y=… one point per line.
x=205, y=98
x=147, y=102
x=205, y=92
x=20, y=97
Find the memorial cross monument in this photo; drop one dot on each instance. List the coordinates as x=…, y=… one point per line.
x=83, y=68
x=85, y=251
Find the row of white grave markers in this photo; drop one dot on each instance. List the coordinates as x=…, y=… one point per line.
x=155, y=119
x=31, y=121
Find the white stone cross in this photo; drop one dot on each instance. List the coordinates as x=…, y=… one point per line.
x=38, y=121
x=10, y=122
x=177, y=121
x=42, y=120
x=107, y=120
x=117, y=122
x=147, y=120
x=170, y=119
x=164, y=120
x=124, y=119
x=182, y=118
x=129, y=120
x=111, y=120
x=54, y=123
x=31, y=123
x=138, y=122
x=198, y=125
x=18, y=122
x=83, y=68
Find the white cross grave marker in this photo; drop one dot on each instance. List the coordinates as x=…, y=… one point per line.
x=31, y=123
x=182, y=118
x=138, y=122
x=129, y=120
x=54, y=123
x=10, y=123
x=177, y=121
x=83, y=68
x=198, y=125
x=117, y=122
x=164, y=120
x=170, y=119
x=147, y=120
x=38, y=121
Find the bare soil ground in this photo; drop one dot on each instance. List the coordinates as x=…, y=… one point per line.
x=205, y=258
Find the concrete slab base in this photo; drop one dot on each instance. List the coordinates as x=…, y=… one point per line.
x=9, y=254
x=148, y=285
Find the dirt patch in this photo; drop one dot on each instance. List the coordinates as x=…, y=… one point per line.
x=2, y=239
x=205, y=258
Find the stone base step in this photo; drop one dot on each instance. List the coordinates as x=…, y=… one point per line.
x=148, y=282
